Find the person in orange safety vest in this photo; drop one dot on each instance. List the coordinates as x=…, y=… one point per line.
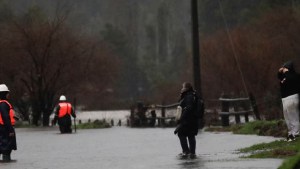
x=63, y=112
x=7, y=122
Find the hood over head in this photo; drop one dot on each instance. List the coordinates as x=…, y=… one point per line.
x=289, y=65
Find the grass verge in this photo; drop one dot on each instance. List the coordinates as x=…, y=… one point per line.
x=291, y=163
x=276, y=149
x=290, y=151
x=262, y=128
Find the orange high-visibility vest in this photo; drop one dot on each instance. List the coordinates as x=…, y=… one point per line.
x=11, y=113
x=65, y=108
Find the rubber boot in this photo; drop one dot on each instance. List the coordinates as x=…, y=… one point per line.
x=6, y=158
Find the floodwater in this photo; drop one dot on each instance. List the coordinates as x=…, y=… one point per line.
x=130, y=148
x=115, y=115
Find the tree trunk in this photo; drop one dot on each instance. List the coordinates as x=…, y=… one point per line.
x=46, y=119
x=35, y=119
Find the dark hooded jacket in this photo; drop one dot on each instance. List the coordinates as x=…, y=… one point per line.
x=188, y=122
x=290, y=81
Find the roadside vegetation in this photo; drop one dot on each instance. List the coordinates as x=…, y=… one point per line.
x=23, y=125
x=277, y=149
x=290, y=151
x=94, y=125
x=276, y=128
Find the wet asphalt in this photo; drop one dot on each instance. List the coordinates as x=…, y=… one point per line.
x=130, y=148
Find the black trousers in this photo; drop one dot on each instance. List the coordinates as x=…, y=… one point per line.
x=65, y=129
x=65, y=124
x=7, y=143
x=188, y=143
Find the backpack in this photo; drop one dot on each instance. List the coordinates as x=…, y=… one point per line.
x=199, y=104
x=199, y=110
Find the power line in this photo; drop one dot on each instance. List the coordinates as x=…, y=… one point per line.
x=233, y=48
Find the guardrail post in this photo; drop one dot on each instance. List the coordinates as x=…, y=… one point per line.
x=225, y=113
x=246, y=117
x=254, y=106
x=163, y=115
x=237, y=119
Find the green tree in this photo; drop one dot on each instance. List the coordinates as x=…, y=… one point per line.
x=131, y=76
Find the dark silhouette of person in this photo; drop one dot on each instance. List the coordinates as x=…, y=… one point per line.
x=187, y=127
x=63, y=112
x=153, y=117
x=7, y=122
x=289, y=88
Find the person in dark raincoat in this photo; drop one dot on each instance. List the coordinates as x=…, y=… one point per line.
x=187, y=127
x=7, y=122
x=63, y=112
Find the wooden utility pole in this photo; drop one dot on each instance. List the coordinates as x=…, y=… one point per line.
x=196, y=50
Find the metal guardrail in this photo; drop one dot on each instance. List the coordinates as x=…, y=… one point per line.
x=225, y=113
x=167, y=106
x=234, y=100
x=236, y=113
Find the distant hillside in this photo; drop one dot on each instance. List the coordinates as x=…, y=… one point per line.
x=152, y=39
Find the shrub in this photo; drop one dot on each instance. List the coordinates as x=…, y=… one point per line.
x=94, y=125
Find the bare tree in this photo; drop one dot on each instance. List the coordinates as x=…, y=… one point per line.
x=49, y=54
x=45, y=58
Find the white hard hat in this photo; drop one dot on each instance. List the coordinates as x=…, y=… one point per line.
x=62, y=98
x=3, y=88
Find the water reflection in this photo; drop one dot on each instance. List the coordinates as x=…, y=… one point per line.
x=186, y=163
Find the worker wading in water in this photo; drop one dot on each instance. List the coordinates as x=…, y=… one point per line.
x=63, y=112
x=7, y=122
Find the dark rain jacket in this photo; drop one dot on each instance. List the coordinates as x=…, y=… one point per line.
x=188, y=122
x=290, y=84
x=7, y=143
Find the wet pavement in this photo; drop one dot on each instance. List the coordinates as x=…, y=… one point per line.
x=127, y=148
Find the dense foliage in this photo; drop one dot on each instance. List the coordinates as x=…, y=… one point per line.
x=109, y=59
x=246, y=58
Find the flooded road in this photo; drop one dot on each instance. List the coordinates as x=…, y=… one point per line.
x=127, y=148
